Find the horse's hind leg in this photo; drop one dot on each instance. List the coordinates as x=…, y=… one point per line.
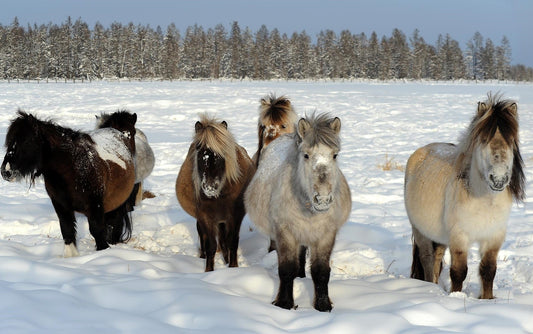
x=487, y=268
x=438, y=253
x=423, y=266
x=97, y=225
x=67, y=222
x=233, y=236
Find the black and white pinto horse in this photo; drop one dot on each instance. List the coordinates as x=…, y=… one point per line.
x=91, y=173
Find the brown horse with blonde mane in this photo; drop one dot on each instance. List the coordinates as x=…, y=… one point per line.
x=457, y=195
x=210, y=187
x=276, y=117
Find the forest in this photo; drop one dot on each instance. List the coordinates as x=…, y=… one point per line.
x=73, y=51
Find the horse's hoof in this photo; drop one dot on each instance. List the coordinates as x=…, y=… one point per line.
x=286, y=304
x=323, y=305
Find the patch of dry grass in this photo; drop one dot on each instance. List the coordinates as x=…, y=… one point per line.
x=391, y=164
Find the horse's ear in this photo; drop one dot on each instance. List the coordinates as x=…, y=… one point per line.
x=335, y=125
x=303, y=127
x=481, y=108
x=198, y=126
x=134, y=118
x=513, y=109
x=224, y=124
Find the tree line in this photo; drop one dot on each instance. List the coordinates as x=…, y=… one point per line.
x=72, y=50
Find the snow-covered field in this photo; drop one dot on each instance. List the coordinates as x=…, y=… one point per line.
x=155, y=283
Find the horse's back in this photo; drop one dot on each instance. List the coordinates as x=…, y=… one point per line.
x=266, y=180
x=428, y=172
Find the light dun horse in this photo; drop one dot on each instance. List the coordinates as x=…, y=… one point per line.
x=459, y=195
x=299, y=197
x=144, y=157
x=91, y=173
x=276, y=117
x=210, y=187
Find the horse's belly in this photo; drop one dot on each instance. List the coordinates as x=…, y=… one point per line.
x=427, y=175
x=119, y=186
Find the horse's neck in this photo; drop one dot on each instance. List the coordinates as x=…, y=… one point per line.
x=477, y=184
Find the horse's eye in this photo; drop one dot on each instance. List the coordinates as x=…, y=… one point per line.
x=335, y=156
x=306, y=156
x=283, y=126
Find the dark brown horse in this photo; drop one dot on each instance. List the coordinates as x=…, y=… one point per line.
x=210, y=187
x=91, y=173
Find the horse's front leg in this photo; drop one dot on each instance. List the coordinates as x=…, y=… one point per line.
x=287, y=248
x=459, y=267
x=67, y=222
x=487, y=267
x=209, y=242
x=97, y=225
x=320, y=271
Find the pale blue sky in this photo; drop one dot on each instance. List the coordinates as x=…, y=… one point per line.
x=460, y=18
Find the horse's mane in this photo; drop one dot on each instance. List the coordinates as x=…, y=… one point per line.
x=494, y=114
x=105, y=119
x=276, y=110
x=54, y=132
x=214, y=135
x=321, y=132
x=48, y=131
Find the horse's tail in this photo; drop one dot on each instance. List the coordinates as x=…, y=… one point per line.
x=119, y=224
x=417, y=271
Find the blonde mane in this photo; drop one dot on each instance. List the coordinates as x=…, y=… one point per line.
x=214, y=135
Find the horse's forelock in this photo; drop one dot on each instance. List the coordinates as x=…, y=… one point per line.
x=275, y=110
x=216, y=137
x=320, y=132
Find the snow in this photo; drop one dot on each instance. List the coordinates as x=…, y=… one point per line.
x=110, y=145
x=156, y=282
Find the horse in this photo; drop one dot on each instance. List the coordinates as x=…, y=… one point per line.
x=300, y=198
x=91, y=173
x=276, y=117
x=144, y=156
x=210, y=187
x=457, y=195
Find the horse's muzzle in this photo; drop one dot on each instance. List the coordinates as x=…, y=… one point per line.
x=7, y=173
x=498, y=183
x=322, y=203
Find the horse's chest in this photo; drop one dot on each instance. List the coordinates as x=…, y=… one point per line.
x=480, y=219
